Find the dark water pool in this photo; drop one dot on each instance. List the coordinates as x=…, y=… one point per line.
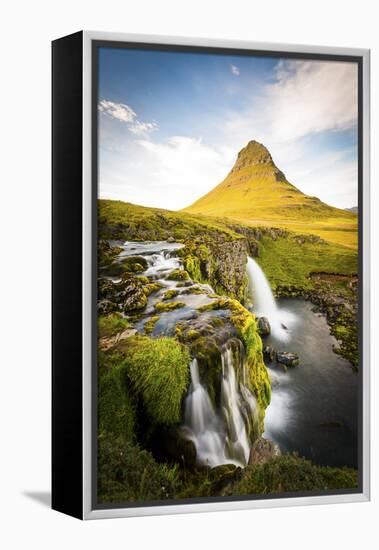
x=314, y=407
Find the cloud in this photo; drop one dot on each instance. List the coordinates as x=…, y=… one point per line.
x=141, y=128
x=297, y=115
x=119, y=111
x=311, y=97
x=169, y=174
x=124, y=113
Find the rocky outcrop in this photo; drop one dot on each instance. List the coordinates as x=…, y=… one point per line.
x=220, y=263
x=263, y=451
x=263, y=325
x=287, y=358
x=127, y=295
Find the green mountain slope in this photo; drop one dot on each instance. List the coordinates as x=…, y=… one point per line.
x=256, y=192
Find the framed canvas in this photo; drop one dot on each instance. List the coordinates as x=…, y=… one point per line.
x=210, y=275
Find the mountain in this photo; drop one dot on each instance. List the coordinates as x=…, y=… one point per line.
x=257, y=192
x=352, y=209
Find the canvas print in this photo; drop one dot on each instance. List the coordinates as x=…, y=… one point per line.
x=228, y=292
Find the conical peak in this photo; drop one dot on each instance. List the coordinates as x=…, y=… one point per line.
x=253, y=154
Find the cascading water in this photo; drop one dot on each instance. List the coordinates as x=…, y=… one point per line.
x=205, y=427
x=221, y=437
x=265, y=305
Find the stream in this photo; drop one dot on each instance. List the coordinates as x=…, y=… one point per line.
x=314, y=406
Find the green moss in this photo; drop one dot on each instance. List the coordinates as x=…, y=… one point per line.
x=192, y=266
x=150, y=324
x=110, y=325
x=290, y=473
x=134, y=264
x=106, y=253
x=127, y=473
x=116, y=407
x=169, y=294
x=151, y=287
x=244, y=322
x=161, y=307
x=193, y=290
x=178, y=275
x=158, y=369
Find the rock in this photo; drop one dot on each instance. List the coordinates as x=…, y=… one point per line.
x=287, y=358
x=171, y=240
x=174, y=442
x=222, y=475
x=269, y=354
x=135, y=300
x=107, y=343
x=264, y=328
x=106, y=306
x=134, y=264
x=262, y=451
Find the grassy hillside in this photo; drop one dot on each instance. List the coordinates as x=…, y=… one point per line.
x=286, y=259
x=256, y=192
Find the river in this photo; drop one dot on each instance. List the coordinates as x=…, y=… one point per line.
x=314, y=406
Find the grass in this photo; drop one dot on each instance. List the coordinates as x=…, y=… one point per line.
x=259, y=194
x=158, y=370
x=286, y=262
x=289, y=473
x=116, y=406
x=128, y=473
x=110, y=325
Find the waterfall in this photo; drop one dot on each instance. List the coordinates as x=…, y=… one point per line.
x=205, y=426
x=221, y=437
x=265, y=305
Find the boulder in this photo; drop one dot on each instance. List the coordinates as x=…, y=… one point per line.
x=269, y=354
x=135, y=300
x=287, y=358
x=174, y=442
x=264, y=328
x=106, y=306
x=262, y=451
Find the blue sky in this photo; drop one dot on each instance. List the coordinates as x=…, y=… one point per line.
x=171, y=124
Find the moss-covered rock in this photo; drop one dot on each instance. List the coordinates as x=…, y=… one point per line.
x=116, y=406
x=150, y=324
x=169, y=294
x=178, y=275
x=162, y=307
x=134, y=264
x=106, y=253
x=150, y=288
x=246, y=326
x=158, y=369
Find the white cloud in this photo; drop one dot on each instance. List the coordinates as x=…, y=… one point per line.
x=141, y=128
x=311, y=97
x=124, y=113
x=170, y=174
x=120, y=111
x=235, y=70
x=306, y=98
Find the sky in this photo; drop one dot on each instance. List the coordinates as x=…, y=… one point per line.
x=171, y=123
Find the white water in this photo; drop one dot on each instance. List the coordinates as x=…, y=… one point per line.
x=281, y=321
x=220, y=437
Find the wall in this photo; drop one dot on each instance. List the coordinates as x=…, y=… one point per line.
x=27, y=28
